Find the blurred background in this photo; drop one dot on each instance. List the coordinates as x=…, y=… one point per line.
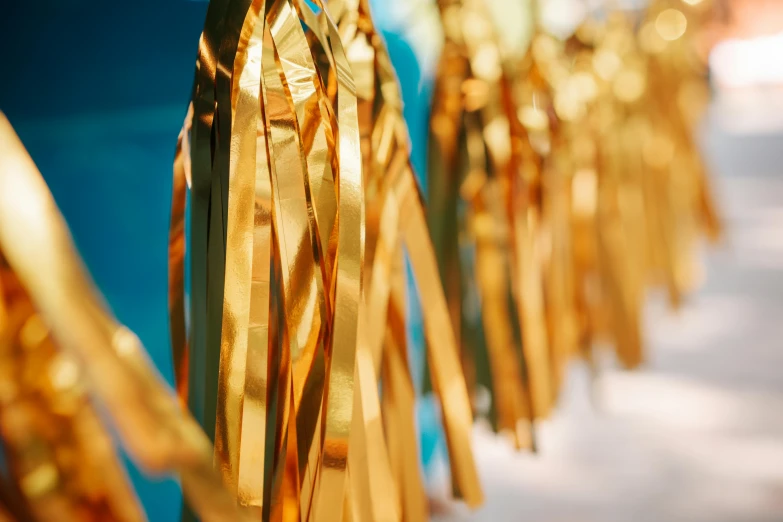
x=696, y=435
x=97, y=92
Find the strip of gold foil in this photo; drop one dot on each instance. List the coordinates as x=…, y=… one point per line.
x=285, y=201
x=86, y=357
x=393, y=211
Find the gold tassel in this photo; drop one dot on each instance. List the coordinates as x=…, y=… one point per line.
x=564, y=184
x=276, y=251
x=62, y=353
x=640, y=192
x=682, y=201
x=395, y=225
x=284, y=251
x=484, y=205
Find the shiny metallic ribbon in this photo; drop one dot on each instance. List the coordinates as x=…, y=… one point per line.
x=65, y=356
x=564, y=183
x=484, y=218
x=627, y=100
x=396, y=225
x=277, y=246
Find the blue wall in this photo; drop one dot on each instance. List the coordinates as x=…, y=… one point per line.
x=97, y=92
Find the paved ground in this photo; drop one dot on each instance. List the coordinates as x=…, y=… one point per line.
x=697, y=436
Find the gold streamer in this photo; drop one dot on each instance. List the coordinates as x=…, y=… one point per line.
x=638, y=184
x=289, y=291
x=396, y=221
x=564, y=183
x=62, y=352
x=478, y=183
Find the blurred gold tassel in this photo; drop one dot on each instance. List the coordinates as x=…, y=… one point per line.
x=677, y=100
x=565, y=183
x=485, y=219
x=396, y=224
x=614, y=277
x=62, y=354
x=544, y=152
x=630, y=103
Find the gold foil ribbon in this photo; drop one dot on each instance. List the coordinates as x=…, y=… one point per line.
x=396, y=223
x=564, y=182
x=477, y=161
x=294, y=243
x=66, y=352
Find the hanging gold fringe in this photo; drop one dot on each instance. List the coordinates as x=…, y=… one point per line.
x=538, y=214
x=396, y=226
x=563, y=185
x=276, y=253
x=485, y=217
x=628, y=99
x=62, y=354
x=683, y=203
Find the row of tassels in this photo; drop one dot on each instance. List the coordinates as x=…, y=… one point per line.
x=563, y=184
